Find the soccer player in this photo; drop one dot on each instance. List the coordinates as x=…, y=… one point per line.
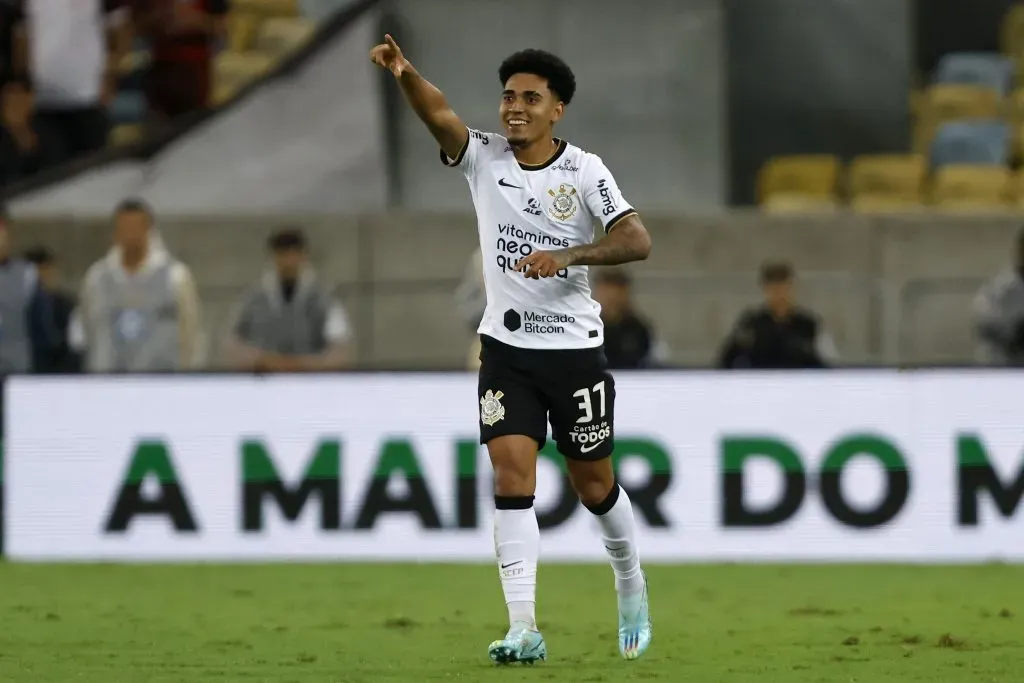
x=541, y=335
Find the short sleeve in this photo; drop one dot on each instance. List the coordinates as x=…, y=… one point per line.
x=602, y=195
x=337, y=329
x=467, y=157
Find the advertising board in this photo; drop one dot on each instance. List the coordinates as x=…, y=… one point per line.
x=837, y=466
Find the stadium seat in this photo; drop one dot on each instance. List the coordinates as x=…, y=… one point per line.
x=786, y=202
x=1015, y=117
x=970, y=187
x=125, y=134
x=812, y=175
x=987, y=70
x=1012, y=32
x=242, y=29
x=941, y=104
x=267, y=8
x=233, y=71
x=896, y=177
x=281, y=36
x=136, y=60
x=971, y=142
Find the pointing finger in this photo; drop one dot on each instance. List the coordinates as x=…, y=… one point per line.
x=391, y=42
x=524, y=262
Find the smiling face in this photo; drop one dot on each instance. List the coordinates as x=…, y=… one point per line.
x=528, y=109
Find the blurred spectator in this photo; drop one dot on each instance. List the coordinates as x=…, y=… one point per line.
x=470, y=301
x=999, y=315
x=778, y=334
x=26, y=311
x=59, y=358
x=74, y=72
x=12, y=55
x=289, y=322
x=139, y=308
x=629, y=341
x=183, y=36
x=23, y=151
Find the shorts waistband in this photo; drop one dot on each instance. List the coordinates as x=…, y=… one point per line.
x=594, y=354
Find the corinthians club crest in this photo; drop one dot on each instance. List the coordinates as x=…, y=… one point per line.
x=491, y=410
x=564, y=205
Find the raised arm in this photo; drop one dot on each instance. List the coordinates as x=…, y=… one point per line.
x=426, y=100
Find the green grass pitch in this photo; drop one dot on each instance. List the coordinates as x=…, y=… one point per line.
x=422, y=623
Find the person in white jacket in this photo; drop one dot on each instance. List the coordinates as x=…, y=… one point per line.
x=139, y=307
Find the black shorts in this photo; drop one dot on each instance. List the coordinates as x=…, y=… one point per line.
x=521, y=390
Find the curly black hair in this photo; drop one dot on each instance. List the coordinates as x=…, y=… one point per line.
x=559, y=76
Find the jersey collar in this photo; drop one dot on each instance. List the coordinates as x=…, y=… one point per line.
x=562, y=144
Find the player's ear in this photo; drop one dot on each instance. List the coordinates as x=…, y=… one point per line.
x=557, y=111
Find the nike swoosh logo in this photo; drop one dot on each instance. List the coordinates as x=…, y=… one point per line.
x=511, y=564
x=614, y=550
x=590, y=446
x=505, y=184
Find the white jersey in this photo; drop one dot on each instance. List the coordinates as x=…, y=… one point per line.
x=522, y=208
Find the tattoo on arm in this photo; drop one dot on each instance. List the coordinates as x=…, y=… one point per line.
x=628, y=241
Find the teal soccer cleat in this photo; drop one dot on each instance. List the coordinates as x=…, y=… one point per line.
x=635, y=629
x=520, y=644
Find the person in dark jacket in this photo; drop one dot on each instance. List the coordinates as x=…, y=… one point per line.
x=26, y=310
x=58, y=358
x=777, y=334
x=630, y=342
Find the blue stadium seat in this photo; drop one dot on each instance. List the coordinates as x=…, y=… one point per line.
x=971, y=142
x=128, y=107
x=976, y=68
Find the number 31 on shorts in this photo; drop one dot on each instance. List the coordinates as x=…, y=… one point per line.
x=586, y=404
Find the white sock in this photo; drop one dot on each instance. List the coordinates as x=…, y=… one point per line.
x=517, y=544
x=618, y=532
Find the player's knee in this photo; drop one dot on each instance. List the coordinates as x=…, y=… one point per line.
x=592, y=482
x=510, y=482
x=514, y=461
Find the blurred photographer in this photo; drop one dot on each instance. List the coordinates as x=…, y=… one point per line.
x=778, y=334
x=999, y=315
x=290, y=322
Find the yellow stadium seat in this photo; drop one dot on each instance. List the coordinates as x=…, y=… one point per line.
x=133, y=61
x=281, y=36
x=795, y=202
x=897, y=176
x=941, y=104
x=268, y=8
x=1015, y=116
x=125, y=134
x=242, y=30
x=233, y=71
x=1017, y=190
x=814, y=175
x=1012, y=32
x=972, y=187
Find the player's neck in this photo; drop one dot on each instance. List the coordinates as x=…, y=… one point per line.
x=537, y=152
